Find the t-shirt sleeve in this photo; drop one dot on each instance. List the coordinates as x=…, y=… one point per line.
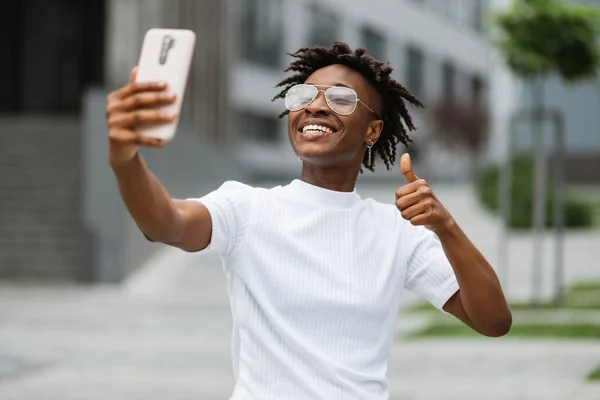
x=428, y=271
x=231, y=207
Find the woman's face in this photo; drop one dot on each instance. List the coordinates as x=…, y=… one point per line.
x=343, y=145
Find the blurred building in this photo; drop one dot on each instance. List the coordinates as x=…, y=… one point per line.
x=60, y=214
x=51, y=52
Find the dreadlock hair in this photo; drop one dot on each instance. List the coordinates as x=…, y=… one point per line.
x=392, y=94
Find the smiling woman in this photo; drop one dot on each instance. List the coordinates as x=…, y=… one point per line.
x=316, y=273
x=364, y=78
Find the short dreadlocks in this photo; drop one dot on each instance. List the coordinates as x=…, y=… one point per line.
x=392, y=94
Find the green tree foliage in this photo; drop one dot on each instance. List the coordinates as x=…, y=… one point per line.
x=538, y=37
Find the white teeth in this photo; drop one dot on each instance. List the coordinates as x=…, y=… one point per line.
x=316, y=128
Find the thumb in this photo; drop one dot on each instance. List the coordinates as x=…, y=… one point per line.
x=133, y=74
x=406, y=169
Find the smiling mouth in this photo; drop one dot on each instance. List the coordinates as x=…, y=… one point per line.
x=316, y=131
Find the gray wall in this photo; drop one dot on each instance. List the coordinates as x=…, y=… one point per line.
x=40, y=227
x=580, y=104
x=188, y=167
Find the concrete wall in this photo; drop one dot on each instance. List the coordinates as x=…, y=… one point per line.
x=40, y=226
x=580, y=104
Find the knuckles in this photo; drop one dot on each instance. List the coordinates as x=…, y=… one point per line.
x=424, y=189
x=111, y=121
x=399, y=205
x=429, y=203
x=420, y=187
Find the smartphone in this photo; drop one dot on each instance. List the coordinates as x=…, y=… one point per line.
x=166, y=56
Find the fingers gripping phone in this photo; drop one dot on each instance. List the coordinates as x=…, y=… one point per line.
x=166, y=56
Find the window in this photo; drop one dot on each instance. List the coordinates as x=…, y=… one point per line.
x=262, y=31
x=259, y=128
x=415, y=71
x=448, y=79
x=478, y=12
x=68, y=36
x=374, y=42
x=324, y=27
x=477, y=89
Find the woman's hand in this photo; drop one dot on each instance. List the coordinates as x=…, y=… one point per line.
x=135, y=104
x=417, y=202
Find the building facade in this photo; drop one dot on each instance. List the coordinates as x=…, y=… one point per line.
x=60, y=214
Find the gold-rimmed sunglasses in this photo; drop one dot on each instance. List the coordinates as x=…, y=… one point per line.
x=340, y=99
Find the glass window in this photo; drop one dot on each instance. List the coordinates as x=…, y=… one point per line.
x=374, y=42
x=415, y=71
x=477, y=89
x=478, y=12
x=262, y=31
x=324, y=27
x=448, y=79
x=259, y=128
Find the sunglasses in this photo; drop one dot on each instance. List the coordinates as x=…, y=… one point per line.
x=341, y=100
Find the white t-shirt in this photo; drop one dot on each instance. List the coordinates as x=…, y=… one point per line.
x=314, y=279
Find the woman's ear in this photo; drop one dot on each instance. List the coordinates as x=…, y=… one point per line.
x=374, y=131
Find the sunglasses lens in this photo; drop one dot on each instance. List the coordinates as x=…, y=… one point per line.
x=299, y=96
x=341, y=100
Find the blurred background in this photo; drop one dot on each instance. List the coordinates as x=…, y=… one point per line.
x=90, y=310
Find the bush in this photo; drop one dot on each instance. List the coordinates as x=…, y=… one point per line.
x=577, y=213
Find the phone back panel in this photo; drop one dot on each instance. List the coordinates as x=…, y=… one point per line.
x=166, y=56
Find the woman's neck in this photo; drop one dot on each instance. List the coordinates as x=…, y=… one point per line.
x=338, y=179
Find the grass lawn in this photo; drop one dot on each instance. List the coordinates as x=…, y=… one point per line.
x=580, y=296
x=550, y=331
x=595, y=374
x=585, y=286
x=596, y=211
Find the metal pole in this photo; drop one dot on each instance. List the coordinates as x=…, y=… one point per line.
x=539, y=190
x=505, y=200
x=559, y=212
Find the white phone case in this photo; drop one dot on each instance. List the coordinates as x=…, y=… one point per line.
x=166, y=56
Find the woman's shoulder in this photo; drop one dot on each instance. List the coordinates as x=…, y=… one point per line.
x=388, y=213
x=238, y=191
x=379, y=207
x=238, y=186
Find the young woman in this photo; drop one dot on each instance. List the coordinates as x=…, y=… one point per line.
x=315, y=272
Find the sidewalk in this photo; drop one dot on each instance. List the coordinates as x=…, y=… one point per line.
x=103, y=344
x=66, y=343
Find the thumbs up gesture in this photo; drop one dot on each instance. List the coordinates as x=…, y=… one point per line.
x=417, y=202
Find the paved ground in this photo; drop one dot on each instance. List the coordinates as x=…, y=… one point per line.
x=165, y=335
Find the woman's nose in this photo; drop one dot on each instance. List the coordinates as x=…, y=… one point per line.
x=319, y=104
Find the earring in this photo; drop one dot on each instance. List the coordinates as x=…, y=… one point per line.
x=370, y=154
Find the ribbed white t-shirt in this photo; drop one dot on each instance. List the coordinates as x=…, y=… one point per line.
x=314, y=280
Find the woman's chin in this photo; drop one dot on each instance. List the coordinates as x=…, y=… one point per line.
x=311, y=150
